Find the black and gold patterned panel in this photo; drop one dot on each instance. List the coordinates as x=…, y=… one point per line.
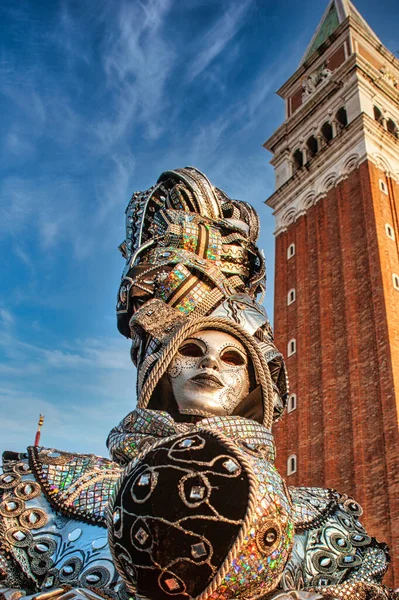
x=178, y=514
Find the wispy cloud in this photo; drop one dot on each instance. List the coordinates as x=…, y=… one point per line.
x=87, y=387
x=96, y=353
x=219, y=35
x=137, y=59
x=6, y=318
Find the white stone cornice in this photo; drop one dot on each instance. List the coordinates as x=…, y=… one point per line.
x=376, y=79
x=363, y=139
x=320, y=96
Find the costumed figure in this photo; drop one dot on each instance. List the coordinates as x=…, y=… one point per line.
x=191, y=499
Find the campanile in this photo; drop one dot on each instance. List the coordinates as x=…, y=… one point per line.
x=336, y=208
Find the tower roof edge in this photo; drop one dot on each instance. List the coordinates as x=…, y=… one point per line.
x=337, y=12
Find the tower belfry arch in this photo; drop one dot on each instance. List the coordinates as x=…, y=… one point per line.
x=336, y=161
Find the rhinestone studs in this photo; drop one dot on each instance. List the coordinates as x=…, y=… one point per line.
x=172, y=584
x=187, y=443
x=145, y=479
x=27, y=490
x=198, y=550
x=67, y=570
x=41, y=548
x=348, y=559
x=197, y=492
x=19, y=537
x=22, y=468
x=231, y=466
x=11, y=508
x=141, y=536
x=268, y=536
x=33, y=518
x=9, y=480
x=93, y=578
x=49, y=581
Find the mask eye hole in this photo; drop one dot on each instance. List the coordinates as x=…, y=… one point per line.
x=191, y=349
x=232, y=357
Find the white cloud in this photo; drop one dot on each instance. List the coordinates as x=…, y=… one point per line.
x=83, y=390
x=137, y=59
x=96, y=353
x=219, y=36
x=6, y=318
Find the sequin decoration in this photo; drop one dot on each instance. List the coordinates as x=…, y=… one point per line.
x=78, y=484
x=175, y=278
x=258, y=560
x=267, y=546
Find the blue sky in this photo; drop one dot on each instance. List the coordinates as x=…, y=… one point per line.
x=97, y=99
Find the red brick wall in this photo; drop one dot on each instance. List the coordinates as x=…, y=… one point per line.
x=346, y=369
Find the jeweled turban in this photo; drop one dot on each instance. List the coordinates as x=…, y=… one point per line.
x=192, y=263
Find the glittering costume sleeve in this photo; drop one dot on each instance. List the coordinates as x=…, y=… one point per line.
x=333, y=554
x=53, y=535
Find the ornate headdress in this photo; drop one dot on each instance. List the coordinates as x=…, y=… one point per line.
x=192, y=263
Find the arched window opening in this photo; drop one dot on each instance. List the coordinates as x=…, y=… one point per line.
x=291, y=296
x=291, y=403
x=327, y=131
x=383, y=186
x=290, y=251
x=298, y=159
x=389, y=231
x=291, y=464
x=291, y=348
x=378, y=115
x=342, y=116
x=392, y=128
x=312, y=145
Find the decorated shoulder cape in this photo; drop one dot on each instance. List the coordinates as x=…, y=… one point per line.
x=51, y=501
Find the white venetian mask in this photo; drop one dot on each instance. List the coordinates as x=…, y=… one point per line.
x=209, y=374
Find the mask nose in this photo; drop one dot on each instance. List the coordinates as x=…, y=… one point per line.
x=209, y=362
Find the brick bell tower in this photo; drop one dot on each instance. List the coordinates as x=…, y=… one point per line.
x=336, y=208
